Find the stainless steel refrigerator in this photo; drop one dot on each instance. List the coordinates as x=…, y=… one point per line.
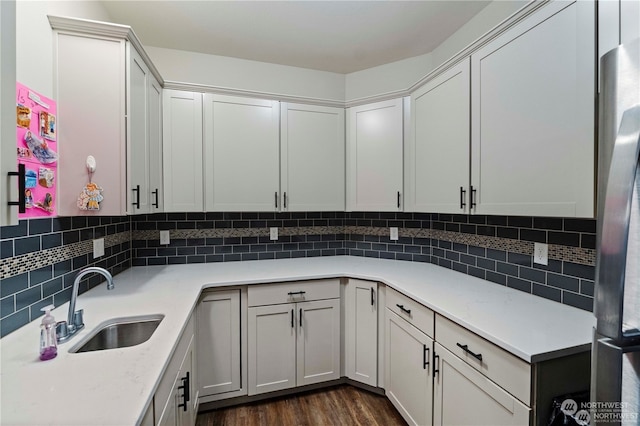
x=615, y=376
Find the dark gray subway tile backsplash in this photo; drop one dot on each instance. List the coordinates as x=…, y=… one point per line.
x=40, y=257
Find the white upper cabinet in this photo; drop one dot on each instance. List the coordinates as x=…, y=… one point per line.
x=532, y=128
x=155, y=146
x=374, y=156
x=437, y=149
x=138, y=76
x=182, y=151
x=8, y=185
x=242, y=139
x=90, y=88
x=312, y=158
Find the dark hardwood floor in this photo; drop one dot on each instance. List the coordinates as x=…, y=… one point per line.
x=340, y=405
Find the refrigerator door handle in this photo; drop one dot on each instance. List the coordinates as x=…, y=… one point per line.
x=615, y=244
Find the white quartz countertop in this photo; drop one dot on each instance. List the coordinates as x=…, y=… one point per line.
x=114, y=387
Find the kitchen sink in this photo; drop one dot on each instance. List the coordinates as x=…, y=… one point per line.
x=119, y=333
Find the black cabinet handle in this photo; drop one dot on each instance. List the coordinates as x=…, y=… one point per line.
x=285, y=200
x=137, y=202
x=292, y=318
x=293, y=293
x=473, y=197
x=185, y=394
x=275, y=197
x=463, y=194
x=403, y=309
x=436, y=364
x=156, y=204
x=466, y=349
x=425, y=357
x=22, y=201
x=373, y=297
x=398, y=199
x=300, y=317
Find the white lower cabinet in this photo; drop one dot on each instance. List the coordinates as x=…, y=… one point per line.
x=408, y=382
x=296, y=343
x=219, y=336
x=176, y=399
x=464, y=396
x=361, y=331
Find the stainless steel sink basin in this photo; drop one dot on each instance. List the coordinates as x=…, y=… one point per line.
x=119, y=333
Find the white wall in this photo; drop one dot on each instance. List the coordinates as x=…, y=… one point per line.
x=34, y=54
x=232, y=73
x=402, y=74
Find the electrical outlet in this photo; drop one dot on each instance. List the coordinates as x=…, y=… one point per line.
x=541, y=253
x=393, y=234
x=98, y=248
x=164, y=237
x=273, y=234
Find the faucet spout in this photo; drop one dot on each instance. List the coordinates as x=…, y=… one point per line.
x=74, y=321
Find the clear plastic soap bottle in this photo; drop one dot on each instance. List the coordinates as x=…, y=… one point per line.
x=48, y=343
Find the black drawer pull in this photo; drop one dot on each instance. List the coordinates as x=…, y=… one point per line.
x=185, y=395
x=22, y=200
x=398, y=199
x=473, y=197
x=293, y=293
x=403, y=309
x=292, y=318
x=156, y=204
x=136, y=203
x=436, y=364
x=285, y=200
x=373, y=297
x=300, y=317
x=425, y=357
x=463, y=194
x=466, y=349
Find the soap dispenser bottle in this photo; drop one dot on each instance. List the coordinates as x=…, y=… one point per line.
x=48, y=343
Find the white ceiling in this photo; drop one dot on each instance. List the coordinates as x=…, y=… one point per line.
x=336, y=36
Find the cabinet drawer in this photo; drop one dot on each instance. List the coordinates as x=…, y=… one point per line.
x=302, y=291
x=418, y=315
x=505, y=369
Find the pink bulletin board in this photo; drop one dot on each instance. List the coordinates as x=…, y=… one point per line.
x=36, y=125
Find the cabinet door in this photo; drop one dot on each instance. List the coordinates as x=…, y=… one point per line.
x=312, y=158
x=242, y=142
x=374, y=156
x=408, y=380
x=90, y=87
x=463, y=396
x=138, y=76
x=187, y=399
x=8, y=214
x=272, y=348
x=155, y=146
x=532, y=92
x=318, y=343
x=219, y=342
x=182, y=151
x=437, y=154
x=361, y=329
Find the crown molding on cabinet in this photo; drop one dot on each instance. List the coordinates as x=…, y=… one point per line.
x=195, y=87
x=105, y=29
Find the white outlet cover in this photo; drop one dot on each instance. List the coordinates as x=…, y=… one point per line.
x=273, y=233
x=393, y=234
x=98, y=248
x=164, y=237
x=541, y=253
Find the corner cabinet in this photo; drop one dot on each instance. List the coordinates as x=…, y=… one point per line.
x=221, y=335
x=8, y=184
x=102, y=79
x=241, y=153
x=294, y=334
x=182, y=151
x=361, y=331
x=375, y=135
x=437, y=150
x=532, y=116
